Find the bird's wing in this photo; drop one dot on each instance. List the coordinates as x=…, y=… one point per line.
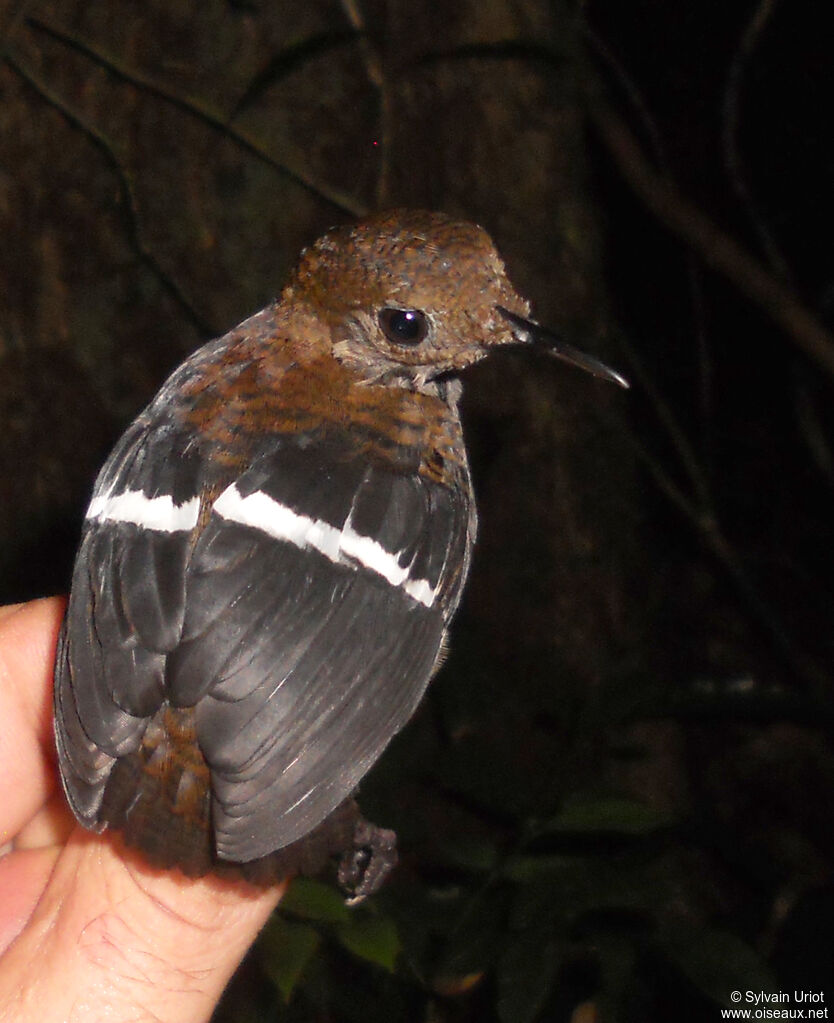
x=126, y=607
x=314, y=618
x=302, y=618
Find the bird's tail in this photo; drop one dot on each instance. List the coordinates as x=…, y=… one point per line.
x=159, y=798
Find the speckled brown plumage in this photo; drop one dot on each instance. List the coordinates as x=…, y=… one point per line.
x=262, y=395
x=273, y=555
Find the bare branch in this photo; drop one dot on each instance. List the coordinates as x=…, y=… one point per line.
x=128, y=195
x=373, y=64
x=289, y=163
x=707, y=527
x=716, y=247
x=375, y=70
x=729, y=135
x=624, y=80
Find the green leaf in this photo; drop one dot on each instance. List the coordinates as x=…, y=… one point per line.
x=525, y=975
x=473, y=939
x=314, y=900
x=716, y=962
x=565, y=887
x=548, y=903
x=373, y=938
x=617, y=956
x=286, y=947
x=606, y=814
x=476, y=855
x=527, y=869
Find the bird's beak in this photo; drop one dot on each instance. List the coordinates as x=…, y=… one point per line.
x=549, y=342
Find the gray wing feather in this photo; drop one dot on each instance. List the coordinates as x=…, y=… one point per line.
x=313, y=666
x=301, y=669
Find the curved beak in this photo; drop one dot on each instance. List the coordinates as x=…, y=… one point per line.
x=552, y=344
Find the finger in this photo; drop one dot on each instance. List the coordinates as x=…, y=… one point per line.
x=9, y=609
x=28, y=635
x=27, y=862
x=142, y=943
x=51, y=825
x=23, y=877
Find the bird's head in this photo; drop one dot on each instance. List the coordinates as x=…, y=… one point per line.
x=409, y=295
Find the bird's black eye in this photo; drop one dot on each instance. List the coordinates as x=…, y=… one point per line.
x=403, y=326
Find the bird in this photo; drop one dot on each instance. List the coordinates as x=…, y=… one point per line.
x=273, y=554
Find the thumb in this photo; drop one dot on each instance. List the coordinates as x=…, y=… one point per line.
x=112, y=938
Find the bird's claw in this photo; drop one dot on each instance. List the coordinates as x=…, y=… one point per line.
x=364, y=868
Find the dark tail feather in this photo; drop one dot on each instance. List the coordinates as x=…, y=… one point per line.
x=159, y=798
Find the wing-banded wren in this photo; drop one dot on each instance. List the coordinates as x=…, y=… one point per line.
x=273, y=554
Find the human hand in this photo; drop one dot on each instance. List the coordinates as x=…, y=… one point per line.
x=87, y=930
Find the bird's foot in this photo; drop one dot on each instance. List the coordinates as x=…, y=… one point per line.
x=364, y=868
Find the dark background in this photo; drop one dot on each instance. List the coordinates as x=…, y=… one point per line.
x=615, y=804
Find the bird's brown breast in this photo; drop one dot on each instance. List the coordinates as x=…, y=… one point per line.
x=272, y=388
